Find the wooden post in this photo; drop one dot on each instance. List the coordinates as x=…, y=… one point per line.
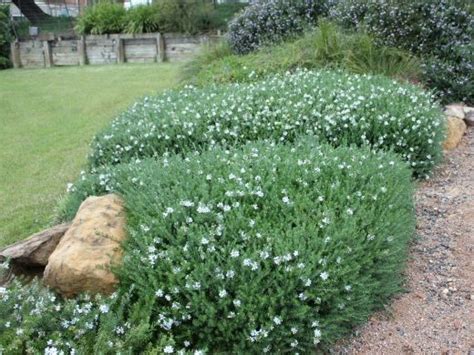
x=15, y=54
x=81, y=51
x=48, y=55
x=160, y=48
x=120, y=51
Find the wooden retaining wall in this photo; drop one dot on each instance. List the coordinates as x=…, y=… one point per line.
x=107, y=49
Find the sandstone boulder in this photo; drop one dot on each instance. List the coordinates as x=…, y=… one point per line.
x=469, y=119
x=34, y=251
x=454, y=111
x=455, y=130
x=82, y=259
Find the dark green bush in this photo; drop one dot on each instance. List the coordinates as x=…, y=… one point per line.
x=102, y=18
x=266, y=248
x=336, y=107
x=271, y=21
x=185, y=16
x=5, y=37
x=143, y=19
x=434, y=29
x=327, y=46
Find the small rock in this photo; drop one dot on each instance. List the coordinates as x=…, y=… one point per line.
x=468, y=109
x=82, y=259
x=472, y=297
x=35, y=251
x=455, y=131
x=454, y=111
x=469, y=119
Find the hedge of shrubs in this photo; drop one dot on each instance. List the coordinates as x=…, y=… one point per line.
x=440, y=31
x=265, y=248
x=335, y=107
x=183, y=16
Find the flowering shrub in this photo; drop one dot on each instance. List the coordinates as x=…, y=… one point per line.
x=269, y=21
x=268, y=248
x=435, y=28
x=336, y=107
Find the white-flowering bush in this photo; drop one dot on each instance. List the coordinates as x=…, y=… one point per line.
x=433, y=29
x=269, y=248
x=338, y=108
x=270, y=21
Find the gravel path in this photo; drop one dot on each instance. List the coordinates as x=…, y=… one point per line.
x=436, y=315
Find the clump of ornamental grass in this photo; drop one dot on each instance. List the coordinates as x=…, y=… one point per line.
x=268, y=248
x=336, y=107
x=326, y=46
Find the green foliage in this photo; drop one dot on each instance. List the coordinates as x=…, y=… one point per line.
x=183, y=16
x=271, y=21
x=335, y=106
x=327, y=46
x=213, y=237
x=102, y=18
x=142, y=19
x=437, y=30
x=5, y=36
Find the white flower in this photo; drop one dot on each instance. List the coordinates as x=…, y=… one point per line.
x=350, y=212
x=234, y=253
x=104, y=308
x=159, y=293
x=168, y=349
x=286, y=200
x=277, y=320
x=19, y=331
x=324, y=275
x=187, y=203
x=51, y=350
x=203, y=209
x=222, y=293
x=237, y=303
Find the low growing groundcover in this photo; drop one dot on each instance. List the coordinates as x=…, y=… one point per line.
x=336, y=107
x=266, y=248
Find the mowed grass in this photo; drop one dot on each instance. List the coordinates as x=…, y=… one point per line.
x=47, y=120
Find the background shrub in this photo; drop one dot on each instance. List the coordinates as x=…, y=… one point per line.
x=214, y=237
x=434, y=29
x=270, y=21
x=5, y=37
x=187, y=16
x=142, y=19
x=327, y=46
x=103, y=18
x=336, y=107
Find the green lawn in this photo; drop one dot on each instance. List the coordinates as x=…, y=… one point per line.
x=47, y=119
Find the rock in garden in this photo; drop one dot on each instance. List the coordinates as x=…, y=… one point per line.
x=454, y=111
x=469, y=119
x=82, y=260
x=455, y=130
x=35, y=251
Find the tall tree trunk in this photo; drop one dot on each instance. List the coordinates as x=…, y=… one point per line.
x=32, y=11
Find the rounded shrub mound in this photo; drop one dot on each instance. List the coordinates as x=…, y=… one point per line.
x=268, y=248
x=440, y=31
x=269, y=21
x=338, y=108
